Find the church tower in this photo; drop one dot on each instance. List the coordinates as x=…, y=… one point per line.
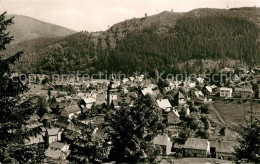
x=108, y=92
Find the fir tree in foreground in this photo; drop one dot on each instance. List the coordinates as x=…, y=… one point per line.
x=14, y=113
x=127, y=138
x=133, y=130
x=248, y=149
x=91, y=147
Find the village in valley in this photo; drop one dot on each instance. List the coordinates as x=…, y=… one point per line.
x=194, y=113
x=92, y=81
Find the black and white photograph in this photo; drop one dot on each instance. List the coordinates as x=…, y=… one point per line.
x=130, y=81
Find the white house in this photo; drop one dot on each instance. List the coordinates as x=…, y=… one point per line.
x=226, y=92
x=164, y=142
x=53, y=135
x=164, y=104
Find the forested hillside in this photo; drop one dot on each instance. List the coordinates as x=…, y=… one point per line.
x=166, y=42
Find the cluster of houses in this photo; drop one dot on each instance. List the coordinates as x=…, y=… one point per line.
x=59, y=129
x=197, y=148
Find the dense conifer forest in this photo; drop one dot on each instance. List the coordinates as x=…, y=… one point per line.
x=152, y=43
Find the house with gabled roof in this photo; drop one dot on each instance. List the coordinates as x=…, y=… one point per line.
x=207, y=90
x=225, y=150
x=180, y=99
x=72, y=111
x=195, y=147
x=86, y=103
x=243, y=92
x=89, y=100
x=34, y=140
x=173, y=117
x=164, y=104
x=164, y=142
x=226, y=92
x=60, y=146
x=33, y=122
x=53, y=135
x=57, y=152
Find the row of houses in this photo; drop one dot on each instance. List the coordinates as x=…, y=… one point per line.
x=238, y=92
x=196, y=148
x=226, y=92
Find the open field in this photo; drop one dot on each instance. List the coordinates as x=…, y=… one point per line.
x=232, y=114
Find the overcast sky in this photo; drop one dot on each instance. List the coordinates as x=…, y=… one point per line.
x=96, y=15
